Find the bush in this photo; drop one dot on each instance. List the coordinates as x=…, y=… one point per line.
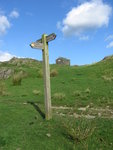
x=53, y=73
x=59, y=96
x=17, y=79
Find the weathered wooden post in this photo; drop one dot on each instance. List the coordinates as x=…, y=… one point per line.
x=43, y=44
x=46, y=71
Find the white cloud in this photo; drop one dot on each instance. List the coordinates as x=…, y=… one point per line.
x=87, y=16
x=4, y=24
x=5, y=56
x=110, y=45
x=110, y=37
x=110, y=40
x=4, y=21
x=14, y=14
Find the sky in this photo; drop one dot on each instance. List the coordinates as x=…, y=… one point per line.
x=84, y=29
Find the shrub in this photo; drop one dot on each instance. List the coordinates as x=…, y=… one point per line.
x=59, y=96
x=36, y=92
x=53, y=73
x=17, y=79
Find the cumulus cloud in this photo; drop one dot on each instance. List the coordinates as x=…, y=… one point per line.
x=4, y=21
x=86, y=16
x=14, y=14
x=5, y=56
x=4, y=24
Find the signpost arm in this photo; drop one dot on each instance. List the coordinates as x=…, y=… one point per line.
x=47, y=91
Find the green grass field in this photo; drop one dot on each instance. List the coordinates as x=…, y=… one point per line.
x=82, y=106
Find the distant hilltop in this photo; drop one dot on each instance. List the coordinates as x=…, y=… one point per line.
x=60, y=60
x=107, y=58
x=8, y=68
x=21, y=61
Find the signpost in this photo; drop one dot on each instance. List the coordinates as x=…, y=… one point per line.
x=43, y=44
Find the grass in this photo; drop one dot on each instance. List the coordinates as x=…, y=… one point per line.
x=36, y=92
x=59, y=96
x=22, y=125
x=17, y=79
x=3, y=91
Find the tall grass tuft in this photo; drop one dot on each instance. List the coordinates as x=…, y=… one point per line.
x=36, y=92
x=87, y=91
x=77, y=93
x=59, y=96
x=107, y=78
x=53, y=73
x=79, y=132
x=17, y=79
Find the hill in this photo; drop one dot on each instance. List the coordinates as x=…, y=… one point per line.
x=82, y=104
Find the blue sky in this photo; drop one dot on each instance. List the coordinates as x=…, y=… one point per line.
x=84, y=29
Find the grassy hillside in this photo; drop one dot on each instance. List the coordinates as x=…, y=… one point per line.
x=82, y=100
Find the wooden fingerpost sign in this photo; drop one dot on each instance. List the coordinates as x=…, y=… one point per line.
x=43, y=44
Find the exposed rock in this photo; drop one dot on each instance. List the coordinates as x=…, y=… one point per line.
x=5, y=73
x=22, y=61
x=108, y=57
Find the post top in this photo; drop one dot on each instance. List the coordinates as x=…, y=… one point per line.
x=39, y=44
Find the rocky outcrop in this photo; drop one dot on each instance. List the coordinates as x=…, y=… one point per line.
x=22, y=61
x=5, y=73
x=108, y=57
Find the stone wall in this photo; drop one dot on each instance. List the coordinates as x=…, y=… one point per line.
x=63, y=61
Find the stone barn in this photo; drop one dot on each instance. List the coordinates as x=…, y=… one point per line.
x=63, y=61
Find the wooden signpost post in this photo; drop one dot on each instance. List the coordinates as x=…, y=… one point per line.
x=43, y=44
